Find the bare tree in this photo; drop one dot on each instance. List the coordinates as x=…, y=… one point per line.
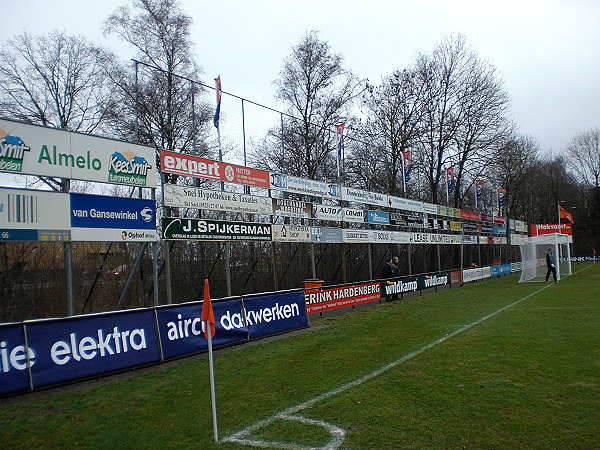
x=316, y=90
x=515, y=168
x=55, y=80
x=158, y=30
x=483, y=129
x=394, y=110
x=442, y=74
x=584, y=158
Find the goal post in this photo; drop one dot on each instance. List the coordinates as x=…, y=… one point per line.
x=533, y=256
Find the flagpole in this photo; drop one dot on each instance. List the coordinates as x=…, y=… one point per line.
x=208, y=319
x=447, y=188
x=213, y=396
x=403, y=177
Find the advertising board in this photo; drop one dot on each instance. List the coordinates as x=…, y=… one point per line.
x=37, y=150
x=268, y=314
x=30, y=215
x=14, y=373
x=326, y=212
x=291, y=233
x=192, y=197
x=181, y=164
x=340, y=297
x=361, y=196
x=80, y=347
x=326, y=235
x=214, y=230
x=291, y=208
x=304, y=186
x=182, y=331
x=100, y=218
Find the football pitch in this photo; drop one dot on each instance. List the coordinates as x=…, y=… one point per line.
x=493, y=364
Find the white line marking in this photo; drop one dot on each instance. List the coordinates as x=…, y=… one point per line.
x=241, y=437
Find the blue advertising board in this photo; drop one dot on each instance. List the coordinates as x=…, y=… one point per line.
x=68, y=349
x=275, y=313
x=378, y=217
x=181, y=328
x=495, y=270
x=98, y=211
x=14, y=376
x=505, y=268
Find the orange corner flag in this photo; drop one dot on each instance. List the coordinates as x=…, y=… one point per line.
x=207, y=311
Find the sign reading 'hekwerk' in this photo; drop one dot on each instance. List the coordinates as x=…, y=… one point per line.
x=214, y=230
x=192, y=166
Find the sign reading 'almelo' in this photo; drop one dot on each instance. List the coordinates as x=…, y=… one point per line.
x=214, y=230
x=36, y=150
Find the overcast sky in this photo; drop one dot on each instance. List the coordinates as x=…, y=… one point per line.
x=547, y=51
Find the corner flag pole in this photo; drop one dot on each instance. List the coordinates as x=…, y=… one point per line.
x=208, y=319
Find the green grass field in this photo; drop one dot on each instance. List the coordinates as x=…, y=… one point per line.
x=496, y=364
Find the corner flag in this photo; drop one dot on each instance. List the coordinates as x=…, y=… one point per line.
x=208, y=316
x=208, y=319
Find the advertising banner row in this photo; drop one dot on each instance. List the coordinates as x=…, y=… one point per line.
x=178, y=228
x=194, y=197
x=182, y=197
x=30, y=215
x=330, y=298
x=47, y=352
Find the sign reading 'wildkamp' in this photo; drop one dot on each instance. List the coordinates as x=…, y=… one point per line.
x=214, y=230
x=36, y=150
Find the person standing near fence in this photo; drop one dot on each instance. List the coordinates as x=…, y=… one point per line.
x=551, y=264
x=390, y=270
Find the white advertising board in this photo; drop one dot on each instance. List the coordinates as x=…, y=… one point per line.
x=325, y=212
x=360, y=196
x=291, y=233
x=193, y=197
x=43, y=151
x=33, y=210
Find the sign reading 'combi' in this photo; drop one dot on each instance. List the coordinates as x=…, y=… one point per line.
x=36, y=150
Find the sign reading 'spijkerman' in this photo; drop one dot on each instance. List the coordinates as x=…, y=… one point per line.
x=214, y=230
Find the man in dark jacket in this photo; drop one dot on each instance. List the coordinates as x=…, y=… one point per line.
x=390, y=270
x=551, y=264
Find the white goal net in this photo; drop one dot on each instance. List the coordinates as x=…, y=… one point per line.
x=533, y=256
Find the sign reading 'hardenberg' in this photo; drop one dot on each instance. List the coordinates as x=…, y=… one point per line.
x=192, y=166
x=216, y=230
x=36, y=150
x=192, y=197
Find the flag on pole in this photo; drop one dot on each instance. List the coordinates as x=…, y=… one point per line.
x=218, y=111
x=478, y=190
x=208, y=316
x=450, y=180
x=339, y=130
x=406, y=165
x=564, y=214
x=501, y=192
x=208, y=319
